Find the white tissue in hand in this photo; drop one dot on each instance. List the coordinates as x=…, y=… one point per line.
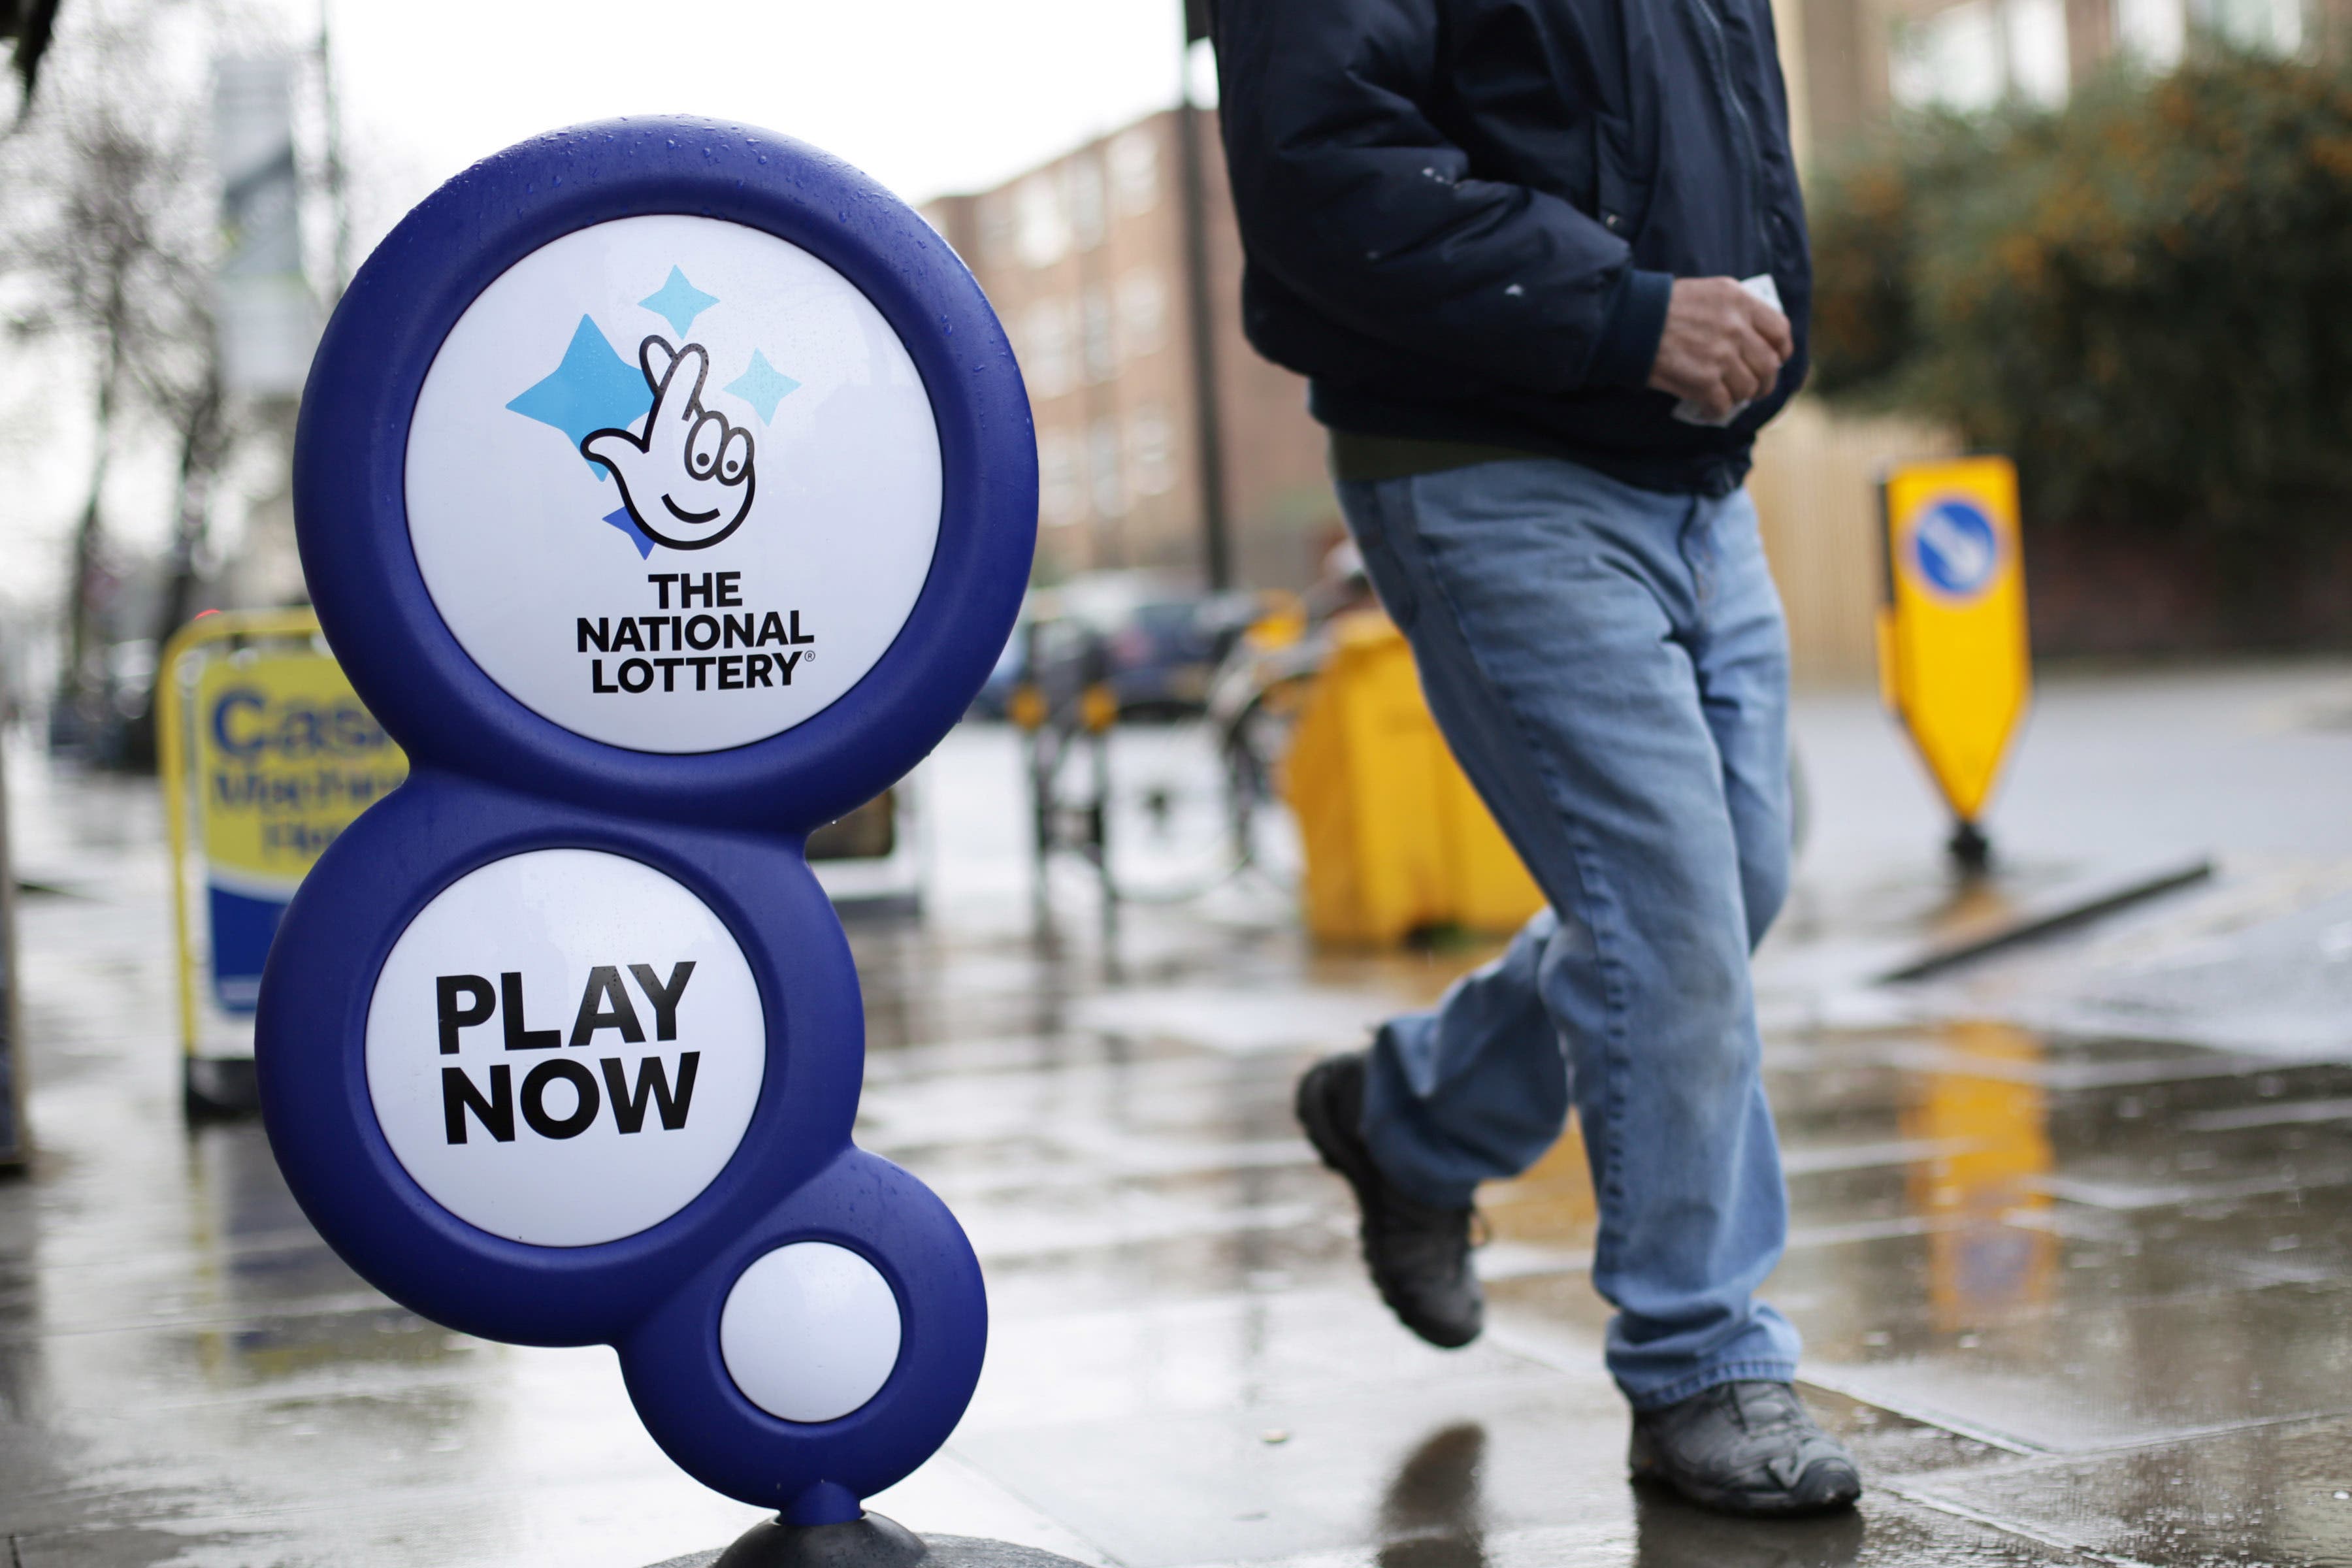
x=1763, y=287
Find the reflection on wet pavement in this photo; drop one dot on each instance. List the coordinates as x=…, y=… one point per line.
x=2064, y=1294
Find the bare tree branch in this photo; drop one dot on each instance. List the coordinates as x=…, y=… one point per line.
x=109, y=225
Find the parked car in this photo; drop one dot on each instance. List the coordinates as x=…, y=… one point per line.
x=1154, y=640
x=996, y=692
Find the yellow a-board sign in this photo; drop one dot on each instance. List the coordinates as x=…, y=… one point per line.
x=1953, y=659
x=266, y=748
x=286, y=758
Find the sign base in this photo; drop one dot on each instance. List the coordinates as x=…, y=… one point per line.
x=1970, y=850
x=872, y=1541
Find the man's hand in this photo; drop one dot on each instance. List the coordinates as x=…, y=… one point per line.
x=1722, y=346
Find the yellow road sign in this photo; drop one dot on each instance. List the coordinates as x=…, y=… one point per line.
x=1953, y=659
x=1988, y=1120
x=265, y=745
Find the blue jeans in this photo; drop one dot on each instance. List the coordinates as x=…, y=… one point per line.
x=1611, y=668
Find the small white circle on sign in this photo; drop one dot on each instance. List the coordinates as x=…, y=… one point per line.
x=810, y=1333
x=658, y=465
x=564, y=1047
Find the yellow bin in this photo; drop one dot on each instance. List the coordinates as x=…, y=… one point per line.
x=1396, y=840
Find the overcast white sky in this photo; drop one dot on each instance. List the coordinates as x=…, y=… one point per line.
x=928, y=95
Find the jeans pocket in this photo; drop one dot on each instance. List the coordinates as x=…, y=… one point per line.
x=1374, y=510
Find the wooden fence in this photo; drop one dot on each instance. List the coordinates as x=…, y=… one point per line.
x=1816, y=491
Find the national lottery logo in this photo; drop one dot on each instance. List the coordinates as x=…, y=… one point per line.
x=684, y=470
x=635, y=521
x=688, y=476
x=702, y=643
x=686, y=453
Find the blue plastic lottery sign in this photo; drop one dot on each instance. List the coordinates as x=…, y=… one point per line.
x=666, y=489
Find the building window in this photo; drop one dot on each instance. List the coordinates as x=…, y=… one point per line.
x=1043, y=228
x=1098, y=347
x=1045, y=348
x=996, y=229
x=1150, y=452
x=1974, y=55
x=2271, y=27
x=1109, y=485
x=1142, y=311
x=2037, y=50
x=2152, y=31
x=1135, y=170
x=1061, y=479
x=1951, y=59
x=1084, y=177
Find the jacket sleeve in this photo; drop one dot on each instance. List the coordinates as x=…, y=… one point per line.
x=1352, y=199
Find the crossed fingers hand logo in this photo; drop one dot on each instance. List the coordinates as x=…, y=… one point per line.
x=686, y=480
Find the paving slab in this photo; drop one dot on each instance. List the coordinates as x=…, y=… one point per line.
x=2093, y=1379
x=2273, y=1494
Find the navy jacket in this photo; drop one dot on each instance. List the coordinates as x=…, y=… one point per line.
x=1462, y=218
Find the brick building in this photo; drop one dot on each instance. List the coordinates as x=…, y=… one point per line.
x=1087, y=260
x=1090, y=262
x=1850, y=62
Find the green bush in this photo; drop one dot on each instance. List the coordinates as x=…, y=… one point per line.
x=2147, y=298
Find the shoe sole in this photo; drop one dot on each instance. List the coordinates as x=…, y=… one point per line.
x=1354, y=1165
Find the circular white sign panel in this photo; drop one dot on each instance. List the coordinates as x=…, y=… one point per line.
x=565, y=1047
x=673, y=483
x=810, y=1333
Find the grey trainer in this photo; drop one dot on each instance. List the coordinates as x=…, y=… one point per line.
x=1745, y=1448
x=1419, y=1253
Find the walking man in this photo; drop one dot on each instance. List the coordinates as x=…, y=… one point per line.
x=1544, y=264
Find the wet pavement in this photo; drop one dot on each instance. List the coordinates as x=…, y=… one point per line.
x=2073, y=1247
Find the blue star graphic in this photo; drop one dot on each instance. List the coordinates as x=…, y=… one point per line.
x=763, y=386
x=678, y=302
x=594, y=389
x=628, y=525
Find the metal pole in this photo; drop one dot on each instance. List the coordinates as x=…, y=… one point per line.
x=338, y=205
x=1208, y=413
x=15, y=1142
